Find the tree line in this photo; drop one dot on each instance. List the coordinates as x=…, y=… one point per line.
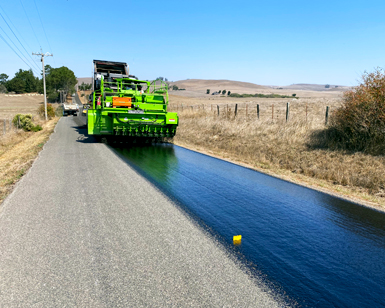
x=24, y=81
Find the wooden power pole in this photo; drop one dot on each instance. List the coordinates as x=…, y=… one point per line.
x=47, y=54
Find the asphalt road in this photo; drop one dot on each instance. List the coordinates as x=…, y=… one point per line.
x=83, y=229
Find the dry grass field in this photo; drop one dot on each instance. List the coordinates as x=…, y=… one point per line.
x=12, y=104
x=18, y=149
x=272, y=145
x=19, y=103
x=196, y=88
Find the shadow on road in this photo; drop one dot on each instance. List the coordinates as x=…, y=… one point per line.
x=83, y=136
x=81, y=129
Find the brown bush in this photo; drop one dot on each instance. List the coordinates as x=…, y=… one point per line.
x=359, y=124
x=50, y=111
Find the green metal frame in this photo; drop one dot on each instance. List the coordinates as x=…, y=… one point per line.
x=148, y=116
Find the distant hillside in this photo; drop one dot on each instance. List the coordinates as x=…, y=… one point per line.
x=312, y=87
x=215, y=85
x=198, y=87
x=85, y=80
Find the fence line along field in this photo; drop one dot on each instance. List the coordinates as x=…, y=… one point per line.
x=272, y=144
x=274, y=109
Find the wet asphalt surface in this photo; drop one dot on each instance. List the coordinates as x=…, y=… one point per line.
x=84, y=229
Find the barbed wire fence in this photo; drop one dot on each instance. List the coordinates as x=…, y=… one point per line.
x=281, y=112
x=8, y=126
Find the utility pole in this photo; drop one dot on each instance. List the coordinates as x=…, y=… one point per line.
x=47, y=54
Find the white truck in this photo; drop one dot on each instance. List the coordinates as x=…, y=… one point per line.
x=70, y=108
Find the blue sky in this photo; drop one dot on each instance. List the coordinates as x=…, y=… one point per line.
x=265, y=42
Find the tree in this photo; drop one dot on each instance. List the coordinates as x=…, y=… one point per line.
x=47, y=69
x=16, y=85
x=327, y=86
x=85, y=86
x=39, y=86
x=223, y=92
x=228, y=93
x=82, y=87
x=61, y=78
x=294, y=95
x=3, y=78
x=29, y=80
x=208, y=91
x=175, y=88
x=24, y=81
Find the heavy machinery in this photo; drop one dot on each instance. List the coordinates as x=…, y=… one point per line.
x=127, y=107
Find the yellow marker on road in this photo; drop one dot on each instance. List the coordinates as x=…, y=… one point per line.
x=237, y=239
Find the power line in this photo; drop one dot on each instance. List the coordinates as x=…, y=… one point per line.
x=18, y=41
x=20, y=35
x=43, y=28
x=29, y=64
x=30, y=23
x=17, y=54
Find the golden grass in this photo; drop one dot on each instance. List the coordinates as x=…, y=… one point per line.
x=18, y=150
x=279, y=148
x=21, y=103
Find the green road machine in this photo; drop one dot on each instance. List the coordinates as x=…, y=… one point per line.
x=128, y=108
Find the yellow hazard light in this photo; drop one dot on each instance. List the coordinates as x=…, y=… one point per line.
x=237, y=239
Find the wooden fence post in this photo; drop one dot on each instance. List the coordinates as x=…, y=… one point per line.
x=327, y=115
x=258, y=111
x=218, y=109
x=287, y=111
x=236, y=109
